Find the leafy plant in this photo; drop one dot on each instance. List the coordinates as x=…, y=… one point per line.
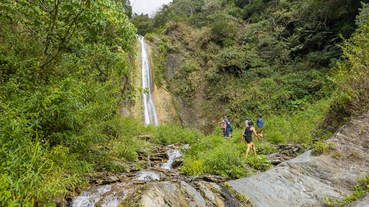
x=193, y=167
x=170, y=134
x=361, y=189
x=61, y=66
x=320, y=148
x=259, y=162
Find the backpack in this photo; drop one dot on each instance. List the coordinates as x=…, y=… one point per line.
x=229, y=126
x=260, y=123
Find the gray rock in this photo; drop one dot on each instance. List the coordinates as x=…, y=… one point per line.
x=197, y=199
x=306, y=180
x=208, y=194
x=363, y=202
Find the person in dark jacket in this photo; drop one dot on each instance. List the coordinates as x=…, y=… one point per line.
x=247, y=134
x=229, y=129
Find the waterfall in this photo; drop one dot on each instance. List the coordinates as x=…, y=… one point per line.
x=150, y=115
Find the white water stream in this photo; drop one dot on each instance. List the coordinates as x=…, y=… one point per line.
x=105, y=196
x=113, y=194
x=172, y=156
x=150, y=116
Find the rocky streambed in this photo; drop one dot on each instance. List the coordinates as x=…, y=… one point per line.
x=158, y=184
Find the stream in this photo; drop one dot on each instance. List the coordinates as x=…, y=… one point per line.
x=112, y=195
x=159, y=183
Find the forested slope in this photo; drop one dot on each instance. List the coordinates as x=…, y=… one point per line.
x=242, y=58
x=63, y=73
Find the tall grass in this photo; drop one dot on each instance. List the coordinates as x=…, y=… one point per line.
x=296, y=127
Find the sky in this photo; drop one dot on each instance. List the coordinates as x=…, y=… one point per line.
x=147, y=6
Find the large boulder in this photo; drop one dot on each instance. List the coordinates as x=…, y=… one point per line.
x=307, y=180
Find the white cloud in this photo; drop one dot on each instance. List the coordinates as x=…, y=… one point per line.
x=147, y=6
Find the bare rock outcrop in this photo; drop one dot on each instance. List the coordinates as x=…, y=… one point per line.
x=306, y=180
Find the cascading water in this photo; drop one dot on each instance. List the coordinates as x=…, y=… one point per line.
x=150, y=115
x=172, y=156
x=104, y=196
x=112, y=195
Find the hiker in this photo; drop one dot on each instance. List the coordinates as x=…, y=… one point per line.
x=223, y=126
x=229, y=128
x=260, y=125
x=247, y=121
x=247, y=134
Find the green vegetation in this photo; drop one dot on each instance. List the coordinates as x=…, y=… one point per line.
x=359, y=191
x=259, y=162
x=353, y=74
x=282, y=59
x=216, y=155
x=296, y=127
x=170, y=134
x=61, y=65
x=249, y=57
x=322, y=148
x=351, y=77
x=65, y=71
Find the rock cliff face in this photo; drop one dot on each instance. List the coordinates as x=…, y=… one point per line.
x=307, y=179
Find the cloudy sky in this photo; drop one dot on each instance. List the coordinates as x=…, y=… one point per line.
x=147, y=6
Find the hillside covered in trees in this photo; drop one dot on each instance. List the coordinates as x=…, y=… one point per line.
x=66, y=71
x=244, y=58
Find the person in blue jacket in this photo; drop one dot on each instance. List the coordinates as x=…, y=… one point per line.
x=260, y=125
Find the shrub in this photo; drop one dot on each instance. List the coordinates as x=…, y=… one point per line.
x=224, y=160
x=216, y=155
x=259, y=162
x=320, y=148
x=170, y=134
x=295, y=127
x=193, y=167
x=266, y=148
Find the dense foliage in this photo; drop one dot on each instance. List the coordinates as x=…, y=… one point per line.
x=353, y=73
x=282, y=59
x=351, y=77
x=248, y=57
x=61, y=69
x=65, y=70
